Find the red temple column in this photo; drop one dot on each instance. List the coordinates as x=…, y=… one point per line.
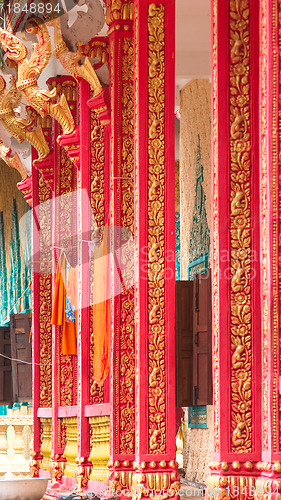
x=83, y=341
x=269, y=482
x=63, y=238
x=41, y=299
x=236, y=250
x=122, y=367
x=155, y=466
x=41, y=317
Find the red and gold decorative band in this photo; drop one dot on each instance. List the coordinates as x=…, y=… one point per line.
x=156, y=228
x=240, y=227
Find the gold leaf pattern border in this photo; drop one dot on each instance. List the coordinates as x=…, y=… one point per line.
x=156, y=228
x=240, y=228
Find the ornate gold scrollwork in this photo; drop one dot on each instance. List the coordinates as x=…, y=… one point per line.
x=34, y=464
x=240, y=217
x=45, y=297
x=95, y=48
x=27, y=70
x=97, y=204
x=156, y=228
x=57, y=468
x=119, y=10
x=127, y=318
x=82, y=473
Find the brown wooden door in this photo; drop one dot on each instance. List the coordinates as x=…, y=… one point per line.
x=6, y=392
x=21, y=350
x=202, y=340
x=184, y=341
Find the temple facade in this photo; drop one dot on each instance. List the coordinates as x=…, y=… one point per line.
x=92, y=99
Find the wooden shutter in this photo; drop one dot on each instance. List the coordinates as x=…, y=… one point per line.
x=21, y=350
x=202, y=340
x=184, y=340
x=6, y=394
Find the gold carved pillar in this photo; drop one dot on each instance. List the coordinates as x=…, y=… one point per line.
x=155, y=468
x=41, y=317
x=268, y=484
x=236, y=250
x=122, y=396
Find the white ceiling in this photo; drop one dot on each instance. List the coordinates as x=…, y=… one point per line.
x=193, y=40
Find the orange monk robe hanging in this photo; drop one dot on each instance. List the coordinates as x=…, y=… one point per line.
x=101, y=320
x=68, y=342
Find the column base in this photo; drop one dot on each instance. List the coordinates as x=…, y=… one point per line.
x=235, y=486
x=156, y=480
x=152, y=480
x=268, y=484
x=268, y=488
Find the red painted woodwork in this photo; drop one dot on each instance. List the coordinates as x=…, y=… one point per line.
x=101, y=103
x=221, y=234
x=270, y=149
x=20, y=326
x=135, y=436
x=202, y=339
x=97, y=410
x=122, y=399
x=184, y=342
x=6, y=395
x=194, y=341
x=84, y=229
x=25, y=186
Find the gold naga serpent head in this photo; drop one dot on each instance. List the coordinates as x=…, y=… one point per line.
x=15, y=49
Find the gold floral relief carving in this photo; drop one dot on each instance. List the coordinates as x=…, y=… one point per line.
x=127, y=306
x=97, y=169
x=119, y=10
x=95, y=49
x=98, y=208
x=156, y=228
x=66, y=223
x=240, y=232
x=45, y=297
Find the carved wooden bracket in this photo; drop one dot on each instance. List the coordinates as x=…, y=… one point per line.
x=46, y=166
x=71, y=144
x=25, y=186
x=101, y=105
